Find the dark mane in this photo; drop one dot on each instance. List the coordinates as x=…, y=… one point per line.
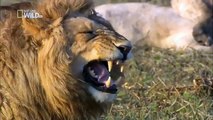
x=21, y=62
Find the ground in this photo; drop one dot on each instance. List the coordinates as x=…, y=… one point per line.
x=166, y=85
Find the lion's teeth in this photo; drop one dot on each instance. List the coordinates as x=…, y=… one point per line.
x=110, y=65
x=117, y=62
x=108, y=82
x=122, y=68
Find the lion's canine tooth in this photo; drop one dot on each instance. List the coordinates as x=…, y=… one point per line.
x=108, y=82
x=122, y=68
x=110, y=65
x=117, y=62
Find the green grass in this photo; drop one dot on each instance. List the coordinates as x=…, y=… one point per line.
x=166, y=85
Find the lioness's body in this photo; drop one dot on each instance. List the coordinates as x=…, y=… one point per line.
x=42, y=62
x=199, y=12
x=153, y=25
x=194, y=10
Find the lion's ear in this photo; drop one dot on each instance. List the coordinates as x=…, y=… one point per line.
x=36, y=28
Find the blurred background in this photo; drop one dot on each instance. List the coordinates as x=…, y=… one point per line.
x=159, y=2
x=98, y=2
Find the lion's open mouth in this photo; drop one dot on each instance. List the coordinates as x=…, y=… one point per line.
x=104, y=75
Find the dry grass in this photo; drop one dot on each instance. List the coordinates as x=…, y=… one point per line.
x=166, y=85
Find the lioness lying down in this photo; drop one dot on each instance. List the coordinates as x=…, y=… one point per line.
x=153, y=25
x=200, y=12
x=67, y=65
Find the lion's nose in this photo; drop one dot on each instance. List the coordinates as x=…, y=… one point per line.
x=124, y=49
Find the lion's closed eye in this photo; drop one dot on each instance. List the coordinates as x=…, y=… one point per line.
x=89, y=32
x=88, y=35
x=70, y=74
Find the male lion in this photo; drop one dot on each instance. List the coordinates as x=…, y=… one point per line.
x=66, y=65
x=163, y=27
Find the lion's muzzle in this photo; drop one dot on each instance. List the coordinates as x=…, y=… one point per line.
x=107, y=74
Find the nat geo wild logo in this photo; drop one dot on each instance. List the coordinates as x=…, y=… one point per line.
x=28, y=14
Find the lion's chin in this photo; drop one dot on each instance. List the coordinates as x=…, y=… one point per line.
x=100, y=96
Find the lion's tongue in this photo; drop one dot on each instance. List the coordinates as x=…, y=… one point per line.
x=101, y=71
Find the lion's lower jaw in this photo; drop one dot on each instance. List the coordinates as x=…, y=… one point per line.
x=101, y=97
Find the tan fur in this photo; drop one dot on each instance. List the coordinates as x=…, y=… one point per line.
x=41, y=61
x=158, y=26
x=194, y=10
